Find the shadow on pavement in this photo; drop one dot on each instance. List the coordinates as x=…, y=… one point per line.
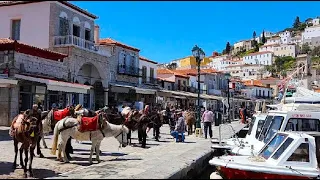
x=43, y=173
x=126, y=159
x=103, y=154
x=6, y=168
x=4, y=135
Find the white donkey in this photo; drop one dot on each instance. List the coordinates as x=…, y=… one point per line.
x=68, y=128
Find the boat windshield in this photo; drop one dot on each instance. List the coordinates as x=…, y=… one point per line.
x=259, y=128
x=265, y=127
x=251, y=125
x=273, y=145
x=274, y=127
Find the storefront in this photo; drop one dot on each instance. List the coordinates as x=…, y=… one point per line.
x=147, y=96
x=8, y=87
x=121, y=95
x=35, y=90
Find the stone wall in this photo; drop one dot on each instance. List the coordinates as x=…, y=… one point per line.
x=37, y=65
x=78, y=57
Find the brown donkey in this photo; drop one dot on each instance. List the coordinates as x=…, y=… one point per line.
x=26, y=130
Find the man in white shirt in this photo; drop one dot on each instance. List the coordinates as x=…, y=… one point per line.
x=207, y=119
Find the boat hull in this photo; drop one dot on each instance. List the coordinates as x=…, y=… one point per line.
x=229, y=173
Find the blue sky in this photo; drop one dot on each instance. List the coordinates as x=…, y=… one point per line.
x=164, y=31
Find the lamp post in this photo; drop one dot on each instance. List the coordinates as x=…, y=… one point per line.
x=199, y=54
x=227, y=76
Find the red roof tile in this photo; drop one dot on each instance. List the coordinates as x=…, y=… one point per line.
x=11, y=3
x=147, y=60
x=164, y=79
x=110, y=41
x=6, y=43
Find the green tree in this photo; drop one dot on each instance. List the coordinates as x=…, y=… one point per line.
x=254, y=35
x=263, y=39
x=305, y=48
x=271, y=69
x=316, y=51
x=296, y=23
x=228, y=48
x=224, y=51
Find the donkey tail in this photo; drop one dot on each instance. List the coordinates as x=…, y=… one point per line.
x=55, y=138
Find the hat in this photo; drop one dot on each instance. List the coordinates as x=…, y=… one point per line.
x=54, y=105
x=78, y=107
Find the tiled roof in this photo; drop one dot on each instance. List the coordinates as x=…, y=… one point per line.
x=168, y=71
x=147, y=60
x=254, y=83
x=257, y=53
x=11, y=3
x=164, y=79
x=110, y=41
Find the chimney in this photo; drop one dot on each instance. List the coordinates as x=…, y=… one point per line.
x=96, y=34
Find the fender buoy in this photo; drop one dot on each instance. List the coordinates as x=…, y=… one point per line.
x=215, y=175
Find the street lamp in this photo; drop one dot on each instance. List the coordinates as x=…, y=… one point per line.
x=199, y=54
x=227, y=76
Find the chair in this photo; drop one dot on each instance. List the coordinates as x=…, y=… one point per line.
x=198, y=132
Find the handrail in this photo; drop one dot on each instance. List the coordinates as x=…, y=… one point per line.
x=234, y=134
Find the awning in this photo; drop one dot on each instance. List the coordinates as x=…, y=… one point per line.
x=119, y=88
x=7, y=82
x=179, y=97
x=54, y=85
x=145, y=91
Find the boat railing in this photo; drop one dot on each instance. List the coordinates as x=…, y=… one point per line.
x=233, y=131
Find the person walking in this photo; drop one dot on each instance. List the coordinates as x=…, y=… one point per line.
x=207, y=119
x=243, y=114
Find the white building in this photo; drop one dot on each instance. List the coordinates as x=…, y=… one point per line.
x=273, y=40
x=269, y=47
x=257, y=92
x=247, y=71
x=263, y=58
x=149, y=71
x=285, y=50
x=310, y=32
x=296, y=40
x=285, y=37
x=314, y=21
x=267, y=34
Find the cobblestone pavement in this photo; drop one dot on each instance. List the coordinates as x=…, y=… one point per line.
x=158, y=160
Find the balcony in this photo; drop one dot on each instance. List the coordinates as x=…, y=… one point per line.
x=76, y=41
x=149, y=80
x=129, y=70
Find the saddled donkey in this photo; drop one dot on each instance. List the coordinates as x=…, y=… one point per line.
x=50, y=120
x=87, y=129
x=134, y=120
x=26, y=130
x=190, y=119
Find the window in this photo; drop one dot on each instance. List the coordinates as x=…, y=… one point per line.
x=15, y=29
x=251, y=125
x=259, y=92
x=259, y=128
x=87, y=34
x=144, y=74
x=301, y=154
x=273, y=145
x=282, y=148
x=151, y=72
x=64, y=26
x=299, y=124
x=274, y=127
x=76, y=30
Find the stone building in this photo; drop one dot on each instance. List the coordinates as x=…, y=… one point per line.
x=40, y=76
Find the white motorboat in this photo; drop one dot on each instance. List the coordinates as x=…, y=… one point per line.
x=288, y=155
x=289, y=117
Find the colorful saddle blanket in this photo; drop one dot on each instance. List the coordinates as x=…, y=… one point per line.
x=60, y=114
x=88, y=124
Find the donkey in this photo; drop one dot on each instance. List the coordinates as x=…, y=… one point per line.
x=190, y=119
x=68, y=128
x=26, y=130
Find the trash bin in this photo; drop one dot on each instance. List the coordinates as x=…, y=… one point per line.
x=218, y=118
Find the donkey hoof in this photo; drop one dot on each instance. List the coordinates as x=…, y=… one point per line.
x=140, y=142
x=41, y=155
x=46, y=147
x=31, y=174
x=25, y=175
